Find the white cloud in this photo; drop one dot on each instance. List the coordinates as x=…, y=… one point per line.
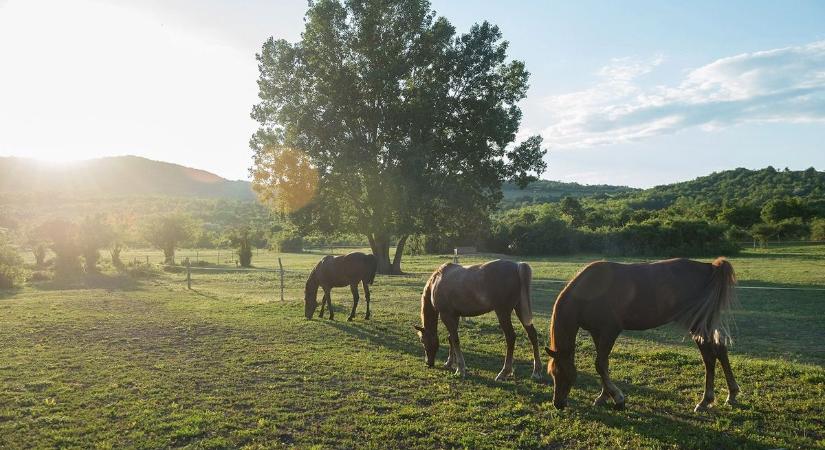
x=782, y=85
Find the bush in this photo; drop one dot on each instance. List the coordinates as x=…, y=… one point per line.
x=672, y=238
x=245, y=254
x=289, y=243
x=12, y=273
x=818, y=230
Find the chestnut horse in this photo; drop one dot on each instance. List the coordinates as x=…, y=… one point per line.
x=606, y=298
x=454, y=291
x=339, y=271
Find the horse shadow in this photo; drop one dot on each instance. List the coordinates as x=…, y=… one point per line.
x=654, y=423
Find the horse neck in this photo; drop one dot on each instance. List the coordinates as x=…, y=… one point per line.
x=312, y=284
x=564, y=326
x=429, y=316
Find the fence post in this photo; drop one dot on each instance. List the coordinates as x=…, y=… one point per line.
x=455, y=255
x=188, y=274
x=197, y=256
x=281, y=267
x=147, y=260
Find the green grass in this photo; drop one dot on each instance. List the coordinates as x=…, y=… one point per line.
x=114, y=361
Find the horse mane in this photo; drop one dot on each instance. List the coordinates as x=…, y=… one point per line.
x=428, y=313
x=313, y=275
x=372, y=266
x=563, y=297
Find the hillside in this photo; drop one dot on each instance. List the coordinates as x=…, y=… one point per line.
x=739, y=186
x=545, y=191
x=120, y=176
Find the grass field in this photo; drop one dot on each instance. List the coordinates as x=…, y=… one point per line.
x=140, y=361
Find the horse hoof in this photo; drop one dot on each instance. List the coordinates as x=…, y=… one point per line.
x=536, y=376
x=619, y=406
x=459, y=373
x=701, y=407
x=732, y=402
x=367, y=317
x=600, y=401
x=349, y=319
x=330, y=318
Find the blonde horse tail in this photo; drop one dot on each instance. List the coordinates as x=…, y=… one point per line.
x=708, y=321
x=525, y=274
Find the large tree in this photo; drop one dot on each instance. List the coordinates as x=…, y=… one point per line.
x=382, y=120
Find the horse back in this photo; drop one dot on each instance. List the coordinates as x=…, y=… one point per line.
x=476, y=289
x=638, y=296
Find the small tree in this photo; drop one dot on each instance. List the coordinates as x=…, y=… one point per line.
x=241, y=238
x=11, y=266
x=818, y=230
x=39, y=249
x=95, y=234
x=573, y=209
x=167, y=232
x=63, y=239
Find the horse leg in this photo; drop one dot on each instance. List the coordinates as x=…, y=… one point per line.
x=328, y=298
x=451, y=322
x=354, y=289
x=450, y=363
x=601, y=400
x=603, y=349
x=733, y=387
x=506, y=324
x=367, y=298
x=323, y=304
x=534, y=341
x=709, y=358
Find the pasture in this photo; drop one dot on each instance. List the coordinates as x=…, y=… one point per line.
x=138, y=360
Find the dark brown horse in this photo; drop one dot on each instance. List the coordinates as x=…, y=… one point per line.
x=606, y=298
x=339, y=271
x=454, y=291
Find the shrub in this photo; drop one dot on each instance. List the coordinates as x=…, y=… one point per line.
x=12, y=273
x=818, y=230
x=289, y=243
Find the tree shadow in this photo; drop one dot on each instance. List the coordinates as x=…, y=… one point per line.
x=9, y=293
x=112, y=282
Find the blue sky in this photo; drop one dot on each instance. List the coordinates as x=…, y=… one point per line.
x=637, y=93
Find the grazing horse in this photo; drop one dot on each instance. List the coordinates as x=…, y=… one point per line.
x=455, y=291
x=339, y=271
x=606, y=298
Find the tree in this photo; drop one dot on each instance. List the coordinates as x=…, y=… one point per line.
x=742, y=216
x=383, y=121
x=12, y=273
x=94, y=234
x=64, y=240
x=167, y=232
x=242, y=237
x=573, y=209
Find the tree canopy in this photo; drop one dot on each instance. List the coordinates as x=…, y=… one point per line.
x=409, y=126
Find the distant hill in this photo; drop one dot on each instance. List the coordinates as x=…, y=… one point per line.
x=546, y=191
x=740, y=186
x=119, y=176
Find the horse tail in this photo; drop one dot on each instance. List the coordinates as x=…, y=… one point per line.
x=372, y=268
x=707, y=322
x=525, y=274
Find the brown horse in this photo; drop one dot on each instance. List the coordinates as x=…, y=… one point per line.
x=339, y=271
x=606, y=298
x=454, y=291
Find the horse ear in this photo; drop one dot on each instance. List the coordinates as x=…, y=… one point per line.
x=419, y=328
x=550, y=353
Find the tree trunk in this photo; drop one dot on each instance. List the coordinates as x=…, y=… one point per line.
x=380, y=245
x=399, y=252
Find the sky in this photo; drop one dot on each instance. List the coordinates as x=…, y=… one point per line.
x=637, y=93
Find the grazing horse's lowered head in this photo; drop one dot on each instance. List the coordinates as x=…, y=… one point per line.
x=339, y=271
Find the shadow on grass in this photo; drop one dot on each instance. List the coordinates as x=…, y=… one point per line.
x=9, y=293
x=114, y=282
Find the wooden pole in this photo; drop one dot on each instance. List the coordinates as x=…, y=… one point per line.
x=455, y=255
x=188, y=274
x=147, y=260
x=281, y=267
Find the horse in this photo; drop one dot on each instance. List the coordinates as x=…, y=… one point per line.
x=339, y=271
x=454, y=291
x=606, y=298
